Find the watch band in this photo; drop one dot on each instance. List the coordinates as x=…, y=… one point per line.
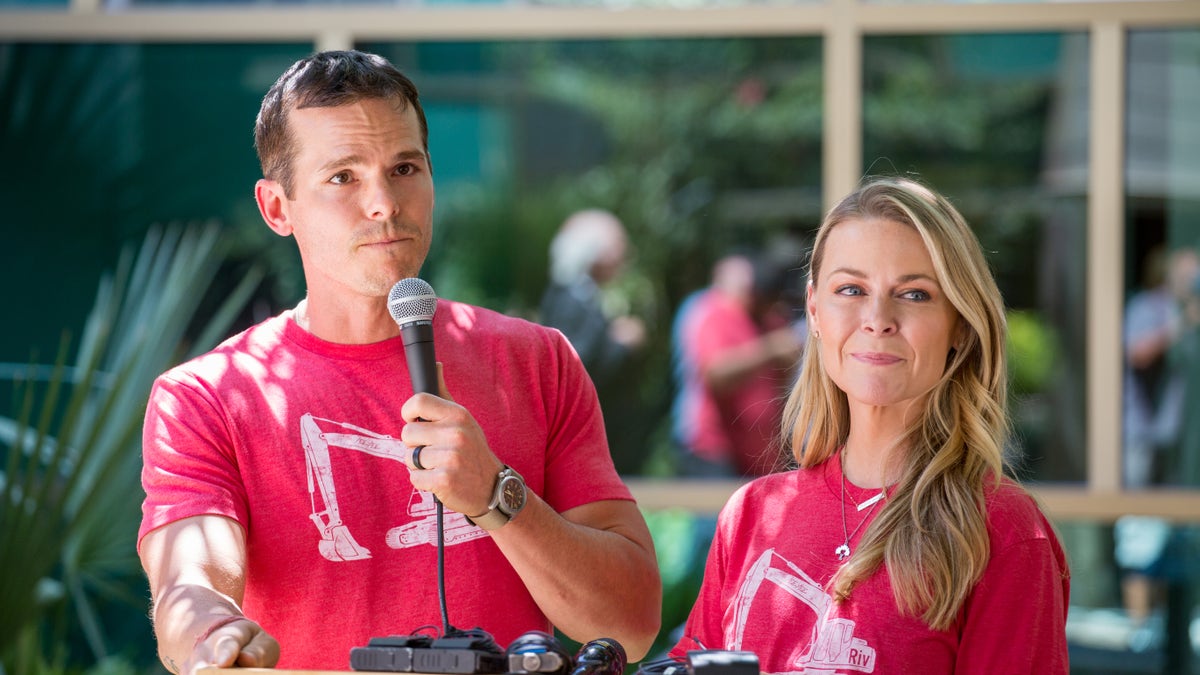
x=492, y=519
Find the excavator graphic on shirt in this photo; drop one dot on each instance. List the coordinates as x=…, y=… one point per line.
x=337, y=544
x=833, y=648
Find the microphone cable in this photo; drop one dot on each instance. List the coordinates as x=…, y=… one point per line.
x=441, y=567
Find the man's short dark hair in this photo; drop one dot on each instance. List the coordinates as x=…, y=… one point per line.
x=325, y=79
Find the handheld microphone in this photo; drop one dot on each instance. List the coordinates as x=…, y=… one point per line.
x=412, y=303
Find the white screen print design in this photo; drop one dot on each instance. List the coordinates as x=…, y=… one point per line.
x=337, y=544
x=832, y=648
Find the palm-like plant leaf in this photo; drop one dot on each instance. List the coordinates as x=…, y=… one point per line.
x=70, y=494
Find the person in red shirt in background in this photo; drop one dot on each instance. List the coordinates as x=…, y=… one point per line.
x=736, y=351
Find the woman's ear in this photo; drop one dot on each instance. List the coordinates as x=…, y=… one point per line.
x=962, y=334
x=811, y=309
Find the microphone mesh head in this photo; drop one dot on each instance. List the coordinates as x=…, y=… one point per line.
x=412, y=300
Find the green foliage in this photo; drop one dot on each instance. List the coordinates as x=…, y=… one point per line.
x=681, y=542
x=70, y=493
x=1031, y=353
x=689, y=124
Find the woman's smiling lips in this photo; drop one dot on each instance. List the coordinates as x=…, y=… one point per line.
x=876, y=358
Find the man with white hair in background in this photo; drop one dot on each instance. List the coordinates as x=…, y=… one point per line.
x=588, y=252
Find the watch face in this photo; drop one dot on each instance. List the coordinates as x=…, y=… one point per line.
x=512, y=494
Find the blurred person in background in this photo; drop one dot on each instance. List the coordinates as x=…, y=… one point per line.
x=588, y=252
x=1158, y=318
x=1160, y=329
x=735, y=351
x=588, y=298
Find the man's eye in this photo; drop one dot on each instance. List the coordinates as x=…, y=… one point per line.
x=406, y=169
x=340, y=178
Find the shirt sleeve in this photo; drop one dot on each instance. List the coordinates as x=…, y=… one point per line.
x=189, y=467
x=704, y=628
x=1016, y=617
x=579, y=466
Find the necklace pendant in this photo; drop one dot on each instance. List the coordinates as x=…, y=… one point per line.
x=843, y=552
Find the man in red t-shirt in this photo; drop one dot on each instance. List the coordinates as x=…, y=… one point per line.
x=287, y=515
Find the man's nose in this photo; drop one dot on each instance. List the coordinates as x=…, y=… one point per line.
x=382, y=200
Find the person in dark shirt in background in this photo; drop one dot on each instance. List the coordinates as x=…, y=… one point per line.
x=588, y=252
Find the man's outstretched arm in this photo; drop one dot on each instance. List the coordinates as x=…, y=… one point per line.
x=197, y=571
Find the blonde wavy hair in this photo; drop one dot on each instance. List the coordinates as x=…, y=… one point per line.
x=931, y=536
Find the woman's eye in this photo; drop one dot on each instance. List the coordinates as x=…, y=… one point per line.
x=849, y=290
x=917, y=295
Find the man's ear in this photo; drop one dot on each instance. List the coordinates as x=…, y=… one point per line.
x=273, y=205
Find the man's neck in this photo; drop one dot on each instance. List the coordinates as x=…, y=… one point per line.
x=364, y=324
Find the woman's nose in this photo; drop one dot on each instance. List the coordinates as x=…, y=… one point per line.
x=879, y=316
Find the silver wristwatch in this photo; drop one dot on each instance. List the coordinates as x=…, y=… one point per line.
x=507, y=500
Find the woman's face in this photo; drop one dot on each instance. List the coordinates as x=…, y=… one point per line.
x=885, y=326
